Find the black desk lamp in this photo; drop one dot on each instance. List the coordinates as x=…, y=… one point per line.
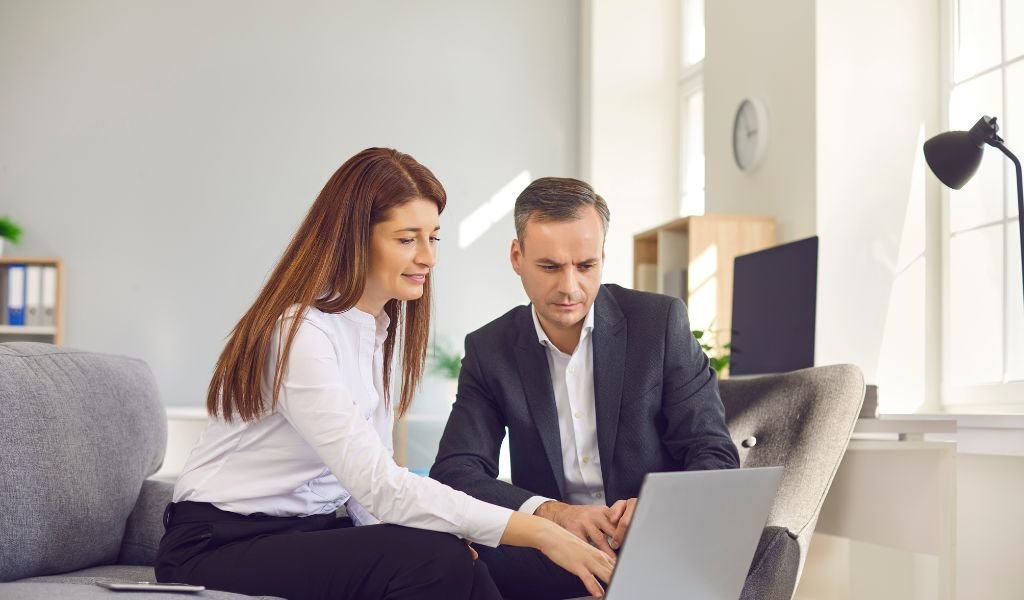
x=954, y=157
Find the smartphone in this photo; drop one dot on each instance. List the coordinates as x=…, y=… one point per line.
x=147, y=586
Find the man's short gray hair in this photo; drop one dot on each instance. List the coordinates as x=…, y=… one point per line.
x=557, y=199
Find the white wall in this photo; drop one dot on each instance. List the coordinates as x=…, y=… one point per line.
x=878, y=101
x=630, y=119
x=167, y=150
x=762, y=50
x=850, y=97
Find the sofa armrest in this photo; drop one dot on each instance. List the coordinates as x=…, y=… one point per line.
x=145, y=526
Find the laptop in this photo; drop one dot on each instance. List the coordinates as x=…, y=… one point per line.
x=694, y=534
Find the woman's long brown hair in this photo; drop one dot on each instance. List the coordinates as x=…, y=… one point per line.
x=325, y=266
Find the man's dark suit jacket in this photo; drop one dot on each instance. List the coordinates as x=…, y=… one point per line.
x=656, y=397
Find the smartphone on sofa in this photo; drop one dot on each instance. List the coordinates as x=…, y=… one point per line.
x=147, y=586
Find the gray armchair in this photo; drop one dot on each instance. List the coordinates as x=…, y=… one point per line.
x=803, y=421
x=80, y=432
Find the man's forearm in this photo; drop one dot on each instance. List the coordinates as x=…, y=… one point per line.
x=467, y=476
x=549, y=509
x=534, y=503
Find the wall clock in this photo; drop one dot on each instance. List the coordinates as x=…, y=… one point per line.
x=749, y=133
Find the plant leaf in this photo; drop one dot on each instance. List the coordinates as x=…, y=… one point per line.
x=9, y=230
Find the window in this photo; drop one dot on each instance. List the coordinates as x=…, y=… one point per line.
x=691, y=117
x=983, y=335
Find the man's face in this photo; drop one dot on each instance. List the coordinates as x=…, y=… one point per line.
x=560, y=264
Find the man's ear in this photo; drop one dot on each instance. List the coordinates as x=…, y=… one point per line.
x=516, y=255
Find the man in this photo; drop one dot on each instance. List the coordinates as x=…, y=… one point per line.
x=597, y=385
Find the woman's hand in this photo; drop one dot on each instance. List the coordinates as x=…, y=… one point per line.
x=562, y=548
x=579, y=558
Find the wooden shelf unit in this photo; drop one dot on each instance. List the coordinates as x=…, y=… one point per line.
x=26, y=333
x=692, y=257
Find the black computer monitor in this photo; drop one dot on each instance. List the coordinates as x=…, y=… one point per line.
x=774, y=295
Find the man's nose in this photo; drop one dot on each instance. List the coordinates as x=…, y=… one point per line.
x=568, y=283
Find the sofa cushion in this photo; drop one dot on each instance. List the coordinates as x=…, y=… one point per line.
x=22, y=590
x=79, y=432
x=84, y=585
x=145, y=527
x=93, y=574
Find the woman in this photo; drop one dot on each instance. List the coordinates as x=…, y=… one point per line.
x=301, y=418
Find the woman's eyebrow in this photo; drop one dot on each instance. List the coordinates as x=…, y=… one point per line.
x=415, y=229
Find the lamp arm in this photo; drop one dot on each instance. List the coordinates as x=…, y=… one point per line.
x=998, y=143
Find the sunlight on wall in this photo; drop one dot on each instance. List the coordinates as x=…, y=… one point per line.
x=901, y=364
x=702, y=287
x=693, y=200
x=492, y=211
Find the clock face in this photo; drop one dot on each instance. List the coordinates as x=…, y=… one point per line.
x=749, y=134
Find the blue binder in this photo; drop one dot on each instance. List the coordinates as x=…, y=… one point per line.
x=15, y=300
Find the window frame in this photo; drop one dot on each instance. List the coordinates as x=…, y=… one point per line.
x=1006, y=395
x=691, y=81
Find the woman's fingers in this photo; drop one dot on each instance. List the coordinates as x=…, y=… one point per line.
x=594, y=565
x=600, y=566
x=603, y=569
x=582, y=559
x=590, y=582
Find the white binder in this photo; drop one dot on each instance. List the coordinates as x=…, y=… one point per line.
x=49, y=318
x=33, y=295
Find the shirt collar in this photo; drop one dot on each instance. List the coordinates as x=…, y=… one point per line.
x=588, y=326
x=378, y=325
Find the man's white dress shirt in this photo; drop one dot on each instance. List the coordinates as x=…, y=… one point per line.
x=328, y=443
x=572, y=379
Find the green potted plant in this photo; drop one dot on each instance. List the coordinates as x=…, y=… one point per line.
x=445, y=363
x=718, y=354
x=9, y=231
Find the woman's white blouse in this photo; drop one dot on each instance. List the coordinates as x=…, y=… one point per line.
x=328, y=443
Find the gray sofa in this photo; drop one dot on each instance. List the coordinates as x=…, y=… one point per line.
x=80, y=433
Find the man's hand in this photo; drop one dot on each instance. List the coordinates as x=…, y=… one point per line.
x=590, y=523
x=622, y=516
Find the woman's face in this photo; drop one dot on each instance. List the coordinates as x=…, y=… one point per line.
x=402, y=252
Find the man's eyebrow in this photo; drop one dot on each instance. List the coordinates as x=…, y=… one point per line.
x=551, y=261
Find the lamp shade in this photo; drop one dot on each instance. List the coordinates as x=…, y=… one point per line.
x=954, y=157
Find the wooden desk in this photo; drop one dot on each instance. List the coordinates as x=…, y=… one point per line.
x=892, y=505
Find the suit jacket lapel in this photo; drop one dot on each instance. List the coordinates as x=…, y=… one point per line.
x=540, y=397
x=609, y=371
